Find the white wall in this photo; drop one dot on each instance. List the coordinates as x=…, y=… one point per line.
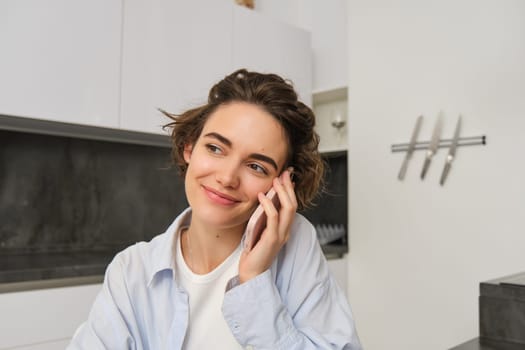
x=418, y=250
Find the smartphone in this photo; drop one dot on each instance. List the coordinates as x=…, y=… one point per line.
x=257, y=222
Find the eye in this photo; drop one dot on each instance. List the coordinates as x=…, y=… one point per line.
x=258, y=168
x=213, y=148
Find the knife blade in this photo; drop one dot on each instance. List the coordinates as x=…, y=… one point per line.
x=410, y=149
x=433, y=145
x=451, y=153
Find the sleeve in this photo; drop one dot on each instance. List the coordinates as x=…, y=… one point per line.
x=107, y=326
x=296, y=304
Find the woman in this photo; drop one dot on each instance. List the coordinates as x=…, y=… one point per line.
x=196, y=286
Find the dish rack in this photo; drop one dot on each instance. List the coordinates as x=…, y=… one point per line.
x=327, y=233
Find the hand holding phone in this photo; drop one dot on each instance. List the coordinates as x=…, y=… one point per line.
x=260, y=252
x=257, y=222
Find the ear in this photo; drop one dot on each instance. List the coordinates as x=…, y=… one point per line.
x=187, y=152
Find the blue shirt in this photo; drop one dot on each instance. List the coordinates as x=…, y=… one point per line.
x=296, y=304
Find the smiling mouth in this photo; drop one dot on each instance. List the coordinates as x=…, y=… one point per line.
x=219, y=197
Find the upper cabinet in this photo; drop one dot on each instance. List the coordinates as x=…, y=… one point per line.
x=327, y=22
x=263, y=44
x=60, y=60
x=173, y=52
x=114, y=63
x=330, y=44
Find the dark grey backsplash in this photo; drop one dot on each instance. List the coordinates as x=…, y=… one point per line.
x=65, y=194
x=62, y=194
x=332, y=205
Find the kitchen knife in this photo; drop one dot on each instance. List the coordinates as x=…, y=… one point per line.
x=433, y=145
x=410, y=149
x=451, y=153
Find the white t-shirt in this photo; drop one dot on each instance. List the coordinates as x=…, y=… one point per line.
x=207, y=328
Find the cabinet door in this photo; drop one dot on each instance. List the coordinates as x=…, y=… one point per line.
x=264, y=44
x=41, y=319
x=60, y=60
x=173, y=52
x=47, y=345
x=330, y=44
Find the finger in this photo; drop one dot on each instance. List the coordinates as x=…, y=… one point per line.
x=286, y=180
x=287, y=211
x=272, y=219
x=285, y=189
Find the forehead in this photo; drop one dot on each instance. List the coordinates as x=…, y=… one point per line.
x=249, y=127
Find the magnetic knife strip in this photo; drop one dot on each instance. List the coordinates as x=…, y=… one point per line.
x=443, y=143
x=433, y=145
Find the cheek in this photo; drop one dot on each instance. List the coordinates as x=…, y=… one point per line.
x=200, y=165
x=255, y=185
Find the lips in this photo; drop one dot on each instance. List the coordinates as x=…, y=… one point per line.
x=219, y=197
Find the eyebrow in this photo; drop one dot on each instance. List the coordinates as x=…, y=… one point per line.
x=257, y=156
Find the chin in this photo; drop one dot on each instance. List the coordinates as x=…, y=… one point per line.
x=221, y=216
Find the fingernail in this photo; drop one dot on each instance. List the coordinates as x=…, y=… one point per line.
x=290, y=170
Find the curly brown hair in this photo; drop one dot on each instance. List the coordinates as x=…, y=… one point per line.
x=277, y=97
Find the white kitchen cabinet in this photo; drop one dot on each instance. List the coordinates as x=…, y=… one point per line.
x=44, y=319
x=327, y=22
x=113, y=63
x=267, y=45
x=329, y=44
x=60, y=60
x=171, y=57
x=173, y=51
x=47, y=345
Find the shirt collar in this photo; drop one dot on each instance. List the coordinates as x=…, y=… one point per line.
x=163, y=256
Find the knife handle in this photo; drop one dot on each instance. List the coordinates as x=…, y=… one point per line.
x=444, y=174
x=426, y=165
x=403, y=169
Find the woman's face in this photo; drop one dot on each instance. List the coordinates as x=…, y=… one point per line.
x=239, y=152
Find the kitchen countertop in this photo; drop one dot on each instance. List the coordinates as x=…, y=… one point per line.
x=36, y=270
x=52, y=269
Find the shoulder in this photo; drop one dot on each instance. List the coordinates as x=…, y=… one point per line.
x=302, y=233
x=302, y=243
x=143, y=259
x=142, y=252
x=301, y=263
x=134, y=266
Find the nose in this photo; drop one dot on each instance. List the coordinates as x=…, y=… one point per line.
x=228, y=174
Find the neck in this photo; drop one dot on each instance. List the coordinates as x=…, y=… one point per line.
x=204, y=249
